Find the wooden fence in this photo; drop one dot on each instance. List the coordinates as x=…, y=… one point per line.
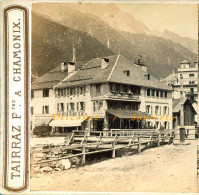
x=110, y=140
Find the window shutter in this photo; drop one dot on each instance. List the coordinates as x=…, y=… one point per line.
x=84, y=106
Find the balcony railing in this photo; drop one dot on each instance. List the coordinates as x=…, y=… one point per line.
x=123, y=95
x=72, y=113
x=118, y=95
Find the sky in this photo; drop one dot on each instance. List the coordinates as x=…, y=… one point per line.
x=178, y=18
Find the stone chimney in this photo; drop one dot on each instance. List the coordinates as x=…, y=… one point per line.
x=140, y=63
x=104, y=63
x=71, y=67
x=63, y=66
x=68, y=66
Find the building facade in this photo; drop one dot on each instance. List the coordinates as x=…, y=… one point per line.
x=185, y=79
x=106, y=93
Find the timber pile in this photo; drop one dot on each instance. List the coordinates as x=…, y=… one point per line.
x=51, y=164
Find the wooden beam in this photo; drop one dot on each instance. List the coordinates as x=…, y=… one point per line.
x=31, y=164
x=83, y=155
x=139, y=145
x=113, y=148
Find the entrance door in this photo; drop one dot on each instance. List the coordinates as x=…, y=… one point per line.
x=100, y=125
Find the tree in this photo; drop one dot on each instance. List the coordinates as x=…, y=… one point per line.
x=42, y=130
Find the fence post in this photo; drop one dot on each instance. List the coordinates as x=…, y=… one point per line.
x=158, y=141
x=31, y=164
x=113, y=148
x=139, y=145
x=83, y=155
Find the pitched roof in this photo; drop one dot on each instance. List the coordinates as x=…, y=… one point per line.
x=176, y=104
x=92, y=73
x=49, y=79
x=171, y=77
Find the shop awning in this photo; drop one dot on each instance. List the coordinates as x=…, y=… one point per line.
x=66, y=123
x=129, y=114
x=42, y=121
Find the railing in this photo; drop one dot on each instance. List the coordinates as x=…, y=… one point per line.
x=118, y=95
x=73, y=113
x=134, y=140
x=122, y=132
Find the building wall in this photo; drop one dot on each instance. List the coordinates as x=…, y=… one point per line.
x=37, y=103
x=97, y=107
x=161, y=102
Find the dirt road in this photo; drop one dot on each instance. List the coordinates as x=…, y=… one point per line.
x=167, y=168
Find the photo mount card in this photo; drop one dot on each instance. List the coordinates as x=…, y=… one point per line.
x=94, y=95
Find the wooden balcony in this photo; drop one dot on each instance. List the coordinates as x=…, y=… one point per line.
x=124, y=96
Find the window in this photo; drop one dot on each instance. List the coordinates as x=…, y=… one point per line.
x=157, y=124
x=161, y=94
x=82, y=106
x=191, y=75
x=157, y=93
x=147, y=109
x=60, y=107
x=98, y=88
x=151, y=110
x=71, y=91
x=46, y=93
x=165, y=94
x=45, y=110
x=157, y=110
x=72, y=106
x=32, y=94
x=148, y=92
x=165, y=109
x=67, y=106
x=128, y=73
x=31, y=110
x=153, y=92
x=68, y=91
x=82, y=90
x=77, y=90
x=77, y=106
x=100, y=104
x=61, y=92
x=191, y=90
x=94, y=108
x=193, y=82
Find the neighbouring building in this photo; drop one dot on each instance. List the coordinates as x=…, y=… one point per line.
x=189, y=115
x=106, y=93
x=43, y=96
x=33, y=77
x=185, y=79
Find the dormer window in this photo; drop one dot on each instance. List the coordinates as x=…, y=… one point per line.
x=128, y=73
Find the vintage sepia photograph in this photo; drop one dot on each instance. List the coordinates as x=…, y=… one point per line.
x=114, y=97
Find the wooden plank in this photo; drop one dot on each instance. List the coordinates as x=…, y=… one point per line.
x=113, y=149
x=139, y=145
x=83, y=155
x=31, y=164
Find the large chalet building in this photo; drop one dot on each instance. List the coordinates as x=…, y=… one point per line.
x=105, y=93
